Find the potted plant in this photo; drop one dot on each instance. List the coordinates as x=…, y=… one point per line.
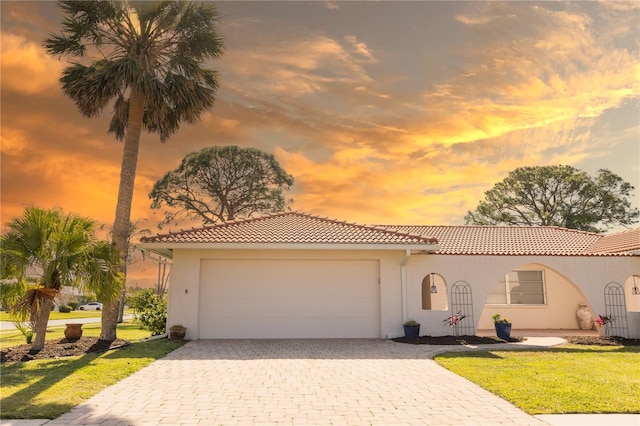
x=503, y=327
x=177, y=332
x=411, y=329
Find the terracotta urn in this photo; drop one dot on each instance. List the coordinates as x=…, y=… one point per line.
x=73, y=331
x=585, y=319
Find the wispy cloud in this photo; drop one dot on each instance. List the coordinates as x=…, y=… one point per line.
x=528, y=86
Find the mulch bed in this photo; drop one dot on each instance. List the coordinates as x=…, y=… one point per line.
x=455, y=340
x=602, y=341
x=60, y=348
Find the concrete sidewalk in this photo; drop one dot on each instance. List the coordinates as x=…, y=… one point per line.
x=549, y=419
x=308, y=382
x=7, y=325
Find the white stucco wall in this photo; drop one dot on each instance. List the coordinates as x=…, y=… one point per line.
x=570, y=281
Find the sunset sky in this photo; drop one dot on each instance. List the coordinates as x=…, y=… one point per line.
x=385, y=112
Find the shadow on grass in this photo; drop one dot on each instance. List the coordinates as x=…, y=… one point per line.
x=21, y=404
x=493, y=353
x=40, y=375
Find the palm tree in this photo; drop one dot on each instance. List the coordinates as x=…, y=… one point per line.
x=46, y=249
x=148, y=59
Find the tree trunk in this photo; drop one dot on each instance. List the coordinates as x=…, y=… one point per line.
x=41, y=325
x=121, y=224
x=123, y=297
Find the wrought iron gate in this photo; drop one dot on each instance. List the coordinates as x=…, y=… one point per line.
x=462, y=304
x=616, y=309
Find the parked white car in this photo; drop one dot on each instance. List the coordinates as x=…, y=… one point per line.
x=91, y=306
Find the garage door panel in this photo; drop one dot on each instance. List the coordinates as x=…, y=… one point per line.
x=282, y=328
x=290, y=307
x=269, y=298
x=260, y=267
x=293, y=288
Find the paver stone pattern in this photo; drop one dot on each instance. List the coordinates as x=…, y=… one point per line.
x=296, y=382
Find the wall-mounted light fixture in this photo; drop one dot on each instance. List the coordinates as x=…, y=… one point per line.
x=434, y=289
x=634, y=290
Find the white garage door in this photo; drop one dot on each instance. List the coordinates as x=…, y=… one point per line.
x=289, y=299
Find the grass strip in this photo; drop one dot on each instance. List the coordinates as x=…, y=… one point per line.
x=561, y=380
x=55, y=315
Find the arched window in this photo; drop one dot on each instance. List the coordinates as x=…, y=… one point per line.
x=434, y=293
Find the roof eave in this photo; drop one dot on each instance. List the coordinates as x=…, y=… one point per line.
x=166, y=249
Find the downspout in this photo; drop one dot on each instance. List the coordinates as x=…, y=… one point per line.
x=403, y=271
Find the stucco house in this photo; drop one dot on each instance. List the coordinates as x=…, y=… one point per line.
x=294, y=275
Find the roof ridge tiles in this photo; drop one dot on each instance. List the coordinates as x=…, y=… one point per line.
x=301, y=215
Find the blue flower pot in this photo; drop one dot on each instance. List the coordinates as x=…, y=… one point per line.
x=411, y=331
x=503, y=330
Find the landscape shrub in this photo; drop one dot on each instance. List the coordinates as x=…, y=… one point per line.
x=73, y=305
x=151, y=310
x=64, y=309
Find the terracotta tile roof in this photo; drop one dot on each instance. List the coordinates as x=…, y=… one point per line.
x=301, y=228
x=291, y=228
x=518, y=240
x=625, y=241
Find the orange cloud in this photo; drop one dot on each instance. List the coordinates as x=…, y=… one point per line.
x=560, y=70
x=25, y=66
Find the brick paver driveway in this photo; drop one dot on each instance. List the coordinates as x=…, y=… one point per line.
x=296, y=382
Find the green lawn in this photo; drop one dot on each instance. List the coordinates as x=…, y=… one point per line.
x=46, y=389
x=566, y=379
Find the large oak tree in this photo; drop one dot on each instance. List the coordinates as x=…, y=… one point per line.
x=218, y=184
x=557, y=196
x=146, y=58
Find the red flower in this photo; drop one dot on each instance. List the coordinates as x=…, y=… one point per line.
x=454, y=319
x=603, y=321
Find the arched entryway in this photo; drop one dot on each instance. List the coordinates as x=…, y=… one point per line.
x=534, y=297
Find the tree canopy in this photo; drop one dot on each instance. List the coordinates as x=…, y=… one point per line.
x=146, y=58
x=557, y=196
x=46, y=249
x=218, y=184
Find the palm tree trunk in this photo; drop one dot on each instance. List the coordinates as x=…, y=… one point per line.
x=41, y=325
x=121, y=227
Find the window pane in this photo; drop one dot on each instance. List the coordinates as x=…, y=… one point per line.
x=528, y=290
x=530, y=276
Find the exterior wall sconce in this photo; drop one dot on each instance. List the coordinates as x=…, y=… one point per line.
x=634, y=290
x=434, y=289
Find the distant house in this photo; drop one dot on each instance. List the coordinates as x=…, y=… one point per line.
x=67, y=294
x=294, y=275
